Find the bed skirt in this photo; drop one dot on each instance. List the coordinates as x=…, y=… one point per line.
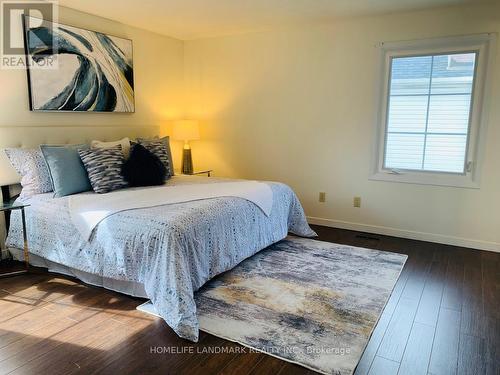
x=130, y=288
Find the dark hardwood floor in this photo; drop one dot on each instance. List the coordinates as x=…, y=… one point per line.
x=442, y=318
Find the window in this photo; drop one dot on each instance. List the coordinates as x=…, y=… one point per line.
x=430, y=111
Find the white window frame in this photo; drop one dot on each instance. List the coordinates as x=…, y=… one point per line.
x=484, y=45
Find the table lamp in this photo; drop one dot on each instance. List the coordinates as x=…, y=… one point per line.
x=186, y=130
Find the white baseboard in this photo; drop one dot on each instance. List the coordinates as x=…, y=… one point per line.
x=395, y=232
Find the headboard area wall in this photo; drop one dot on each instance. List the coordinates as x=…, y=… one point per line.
x=32, y=137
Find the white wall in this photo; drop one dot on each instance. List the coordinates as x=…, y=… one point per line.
x=158, y=78
x=299, y=105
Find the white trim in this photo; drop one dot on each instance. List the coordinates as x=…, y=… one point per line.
x=485, y=45
x=403, y=233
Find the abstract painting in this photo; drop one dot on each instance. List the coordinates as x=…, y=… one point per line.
x=88, y=71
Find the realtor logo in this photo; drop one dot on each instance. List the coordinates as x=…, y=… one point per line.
x=18, y=16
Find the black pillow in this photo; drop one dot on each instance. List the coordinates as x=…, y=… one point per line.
x=143, y=168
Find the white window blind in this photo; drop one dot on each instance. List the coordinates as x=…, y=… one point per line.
x=428, y=112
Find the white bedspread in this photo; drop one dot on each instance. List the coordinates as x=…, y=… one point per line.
x=88, y=210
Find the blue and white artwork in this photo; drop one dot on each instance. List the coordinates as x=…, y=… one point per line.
x=73, y=69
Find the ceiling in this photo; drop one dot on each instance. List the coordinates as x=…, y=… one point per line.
x=192, y=19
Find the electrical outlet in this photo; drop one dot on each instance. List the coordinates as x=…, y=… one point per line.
x=356, y=202
x=322, y=196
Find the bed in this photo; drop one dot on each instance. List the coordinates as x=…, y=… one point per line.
x=163, y=253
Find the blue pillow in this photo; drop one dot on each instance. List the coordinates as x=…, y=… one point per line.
x=66, y=169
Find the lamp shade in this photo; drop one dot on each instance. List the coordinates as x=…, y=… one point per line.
x=186, y=130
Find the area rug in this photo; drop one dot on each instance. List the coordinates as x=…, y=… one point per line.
x=305, y=301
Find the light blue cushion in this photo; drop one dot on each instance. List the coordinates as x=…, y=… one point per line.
x=66, y=169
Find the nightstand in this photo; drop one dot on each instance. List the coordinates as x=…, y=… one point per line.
x=11, y=206
x=207, y=172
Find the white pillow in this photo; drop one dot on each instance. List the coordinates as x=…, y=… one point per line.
x=125, y=143
x=31, y=166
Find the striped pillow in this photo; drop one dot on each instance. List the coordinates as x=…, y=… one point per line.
x=104, y=167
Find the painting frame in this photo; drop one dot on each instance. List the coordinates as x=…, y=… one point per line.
x=124, y=69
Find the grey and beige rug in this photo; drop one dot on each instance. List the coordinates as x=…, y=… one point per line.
x=309, y=302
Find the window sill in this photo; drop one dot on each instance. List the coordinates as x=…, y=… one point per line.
x=433, y=179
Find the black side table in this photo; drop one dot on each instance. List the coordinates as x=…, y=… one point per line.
x=11, y=206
